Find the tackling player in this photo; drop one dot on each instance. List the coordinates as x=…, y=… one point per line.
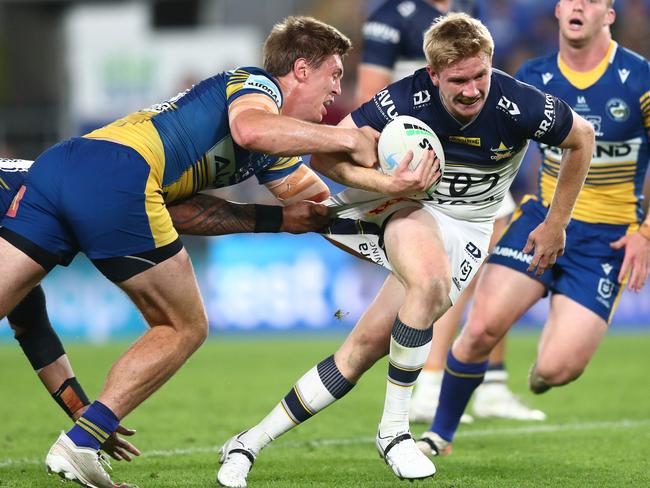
x=106, y=194
x=484, y=119
x=392, y=49
x=608, y=242
x=199, y=215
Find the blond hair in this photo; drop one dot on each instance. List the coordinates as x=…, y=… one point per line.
x=302, y=37
x=454, y=37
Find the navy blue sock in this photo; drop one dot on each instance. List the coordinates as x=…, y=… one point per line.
x=458, y=383
x=94, y=426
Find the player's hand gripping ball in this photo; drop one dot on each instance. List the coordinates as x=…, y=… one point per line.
x=405, y=133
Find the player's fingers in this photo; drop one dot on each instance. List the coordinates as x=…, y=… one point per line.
x=126, y=446
x=534, y=262
x=125, y=430
x=404, y=163
x=530, y=245
x=542, y=266
x=625, y=268
x=617, y=244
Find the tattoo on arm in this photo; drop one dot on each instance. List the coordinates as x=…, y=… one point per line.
x=207, y=215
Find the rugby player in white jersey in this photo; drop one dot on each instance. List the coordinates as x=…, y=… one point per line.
x=608, y=242
x=434, y=246
x=392, y=49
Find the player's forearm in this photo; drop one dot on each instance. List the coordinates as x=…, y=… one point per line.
x=285, y=136
x=206, y=215
x=342, y=171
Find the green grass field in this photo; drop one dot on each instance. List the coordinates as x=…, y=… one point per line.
x=597, y=434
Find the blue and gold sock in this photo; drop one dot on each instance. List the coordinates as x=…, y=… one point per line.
x=458, y=383
x=94, y=426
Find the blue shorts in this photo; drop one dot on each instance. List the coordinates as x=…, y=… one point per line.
x=94, y=196
x=588, y=271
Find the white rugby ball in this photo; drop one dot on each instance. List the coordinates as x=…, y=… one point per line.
x=402, y=134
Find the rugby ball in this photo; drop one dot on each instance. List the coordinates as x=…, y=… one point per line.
x=402, y=134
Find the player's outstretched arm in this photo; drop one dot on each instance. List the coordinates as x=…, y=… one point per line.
x=548, y=239
x=207, y=215
x=256, y=125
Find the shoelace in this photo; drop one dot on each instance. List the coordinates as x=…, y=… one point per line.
x=104, y=461
x=238, y=461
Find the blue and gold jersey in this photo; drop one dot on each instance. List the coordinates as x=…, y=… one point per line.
x=483, y=156
x=186, y=140
x=615, y=98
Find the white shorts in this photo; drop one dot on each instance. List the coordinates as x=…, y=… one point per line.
x=508, y=206
x=360, y=229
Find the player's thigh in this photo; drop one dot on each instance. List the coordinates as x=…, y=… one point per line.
x=570, y=338
x=168, y=294
x=20, y=274
x=415, y=248
x=369, y=340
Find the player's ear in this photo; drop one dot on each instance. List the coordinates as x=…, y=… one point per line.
x=300, y=69
x=433, y=75
x=610, y=17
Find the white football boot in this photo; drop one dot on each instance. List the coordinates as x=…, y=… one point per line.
x=236, y=462
x=495, y=400
x=431, y=444
x=402, y=455
x=82, y=465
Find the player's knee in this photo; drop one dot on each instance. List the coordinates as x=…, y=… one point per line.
x=556, y=372
x=478, y=337
x=432, y=292
x=195, y=332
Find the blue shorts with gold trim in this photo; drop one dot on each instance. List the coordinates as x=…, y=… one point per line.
x=587, y=273
x=94, y=196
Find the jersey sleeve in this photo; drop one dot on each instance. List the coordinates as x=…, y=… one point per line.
x=644, y=100
x=243, y=81
x=279, y=169
x=392, y=101
x=382, y=37
x=547, y=118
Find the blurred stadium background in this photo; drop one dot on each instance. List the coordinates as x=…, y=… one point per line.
x=69, y=66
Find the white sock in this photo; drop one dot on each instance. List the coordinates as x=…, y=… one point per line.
x=409, y=349
x=318, y=388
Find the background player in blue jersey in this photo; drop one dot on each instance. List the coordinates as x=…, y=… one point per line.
x=392, y=49
x=106, y=194
x=610, y=87
x=201, y=214
x=484, y=119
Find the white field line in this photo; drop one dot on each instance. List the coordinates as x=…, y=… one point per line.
x=527, y=429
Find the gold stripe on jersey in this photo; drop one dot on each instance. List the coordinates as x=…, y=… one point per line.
x=138, y=132
x=236, y=82
x=284, y=163
x=644, y=102
x=584, y=79
x=613, y=203
x=4, y=185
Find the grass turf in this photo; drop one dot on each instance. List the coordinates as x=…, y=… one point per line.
x=597, y=434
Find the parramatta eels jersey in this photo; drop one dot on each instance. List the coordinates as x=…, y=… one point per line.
x=394, y=33
x=187, y=142
x=615, y=98
x=12, y=176
x=483, y=156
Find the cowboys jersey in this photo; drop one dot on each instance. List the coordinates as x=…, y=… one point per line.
x=615, y=98
x=482, y=156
